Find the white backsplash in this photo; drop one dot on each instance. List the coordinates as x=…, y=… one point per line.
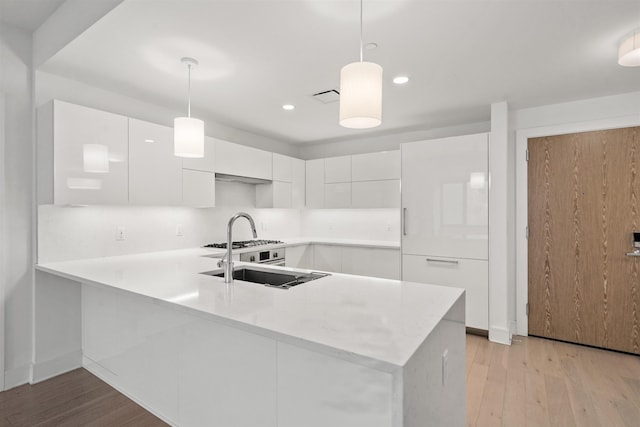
x=66, y=233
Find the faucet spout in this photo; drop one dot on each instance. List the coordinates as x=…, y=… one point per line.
x=226, y=262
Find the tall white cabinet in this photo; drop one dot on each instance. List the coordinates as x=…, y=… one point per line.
x=445, y=207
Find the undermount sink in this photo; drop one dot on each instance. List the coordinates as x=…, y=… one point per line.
x=274, y=279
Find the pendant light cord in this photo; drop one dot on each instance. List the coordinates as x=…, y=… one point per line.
x=189, y=93
x=361, y=42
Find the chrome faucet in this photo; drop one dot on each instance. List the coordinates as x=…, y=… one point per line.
x=227, y=263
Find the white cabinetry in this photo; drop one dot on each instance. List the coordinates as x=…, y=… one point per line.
x=445, y=217
x=315, y=183
x=299, y=256
x=155, y=173
x=287, y=188
x=327, y=258
x=82, y=155
x=383, y=165
x=337, y=195
x=240, y=160
x=198, y=178
x=337, y=169
x=358, y=260
x=375, y=180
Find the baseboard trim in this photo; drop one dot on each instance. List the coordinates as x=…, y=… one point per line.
x=17, y=376
x=54, y=367
x=500, y=335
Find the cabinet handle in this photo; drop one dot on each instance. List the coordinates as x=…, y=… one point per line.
x=446, y=261
x=404, y=221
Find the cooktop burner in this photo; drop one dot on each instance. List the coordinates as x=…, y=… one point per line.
x=242, y=244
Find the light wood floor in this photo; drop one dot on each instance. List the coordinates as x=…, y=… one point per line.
x=538, y=382
x=76, y=398
x=534, y=382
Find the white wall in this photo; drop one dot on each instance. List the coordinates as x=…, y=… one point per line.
x=17, y=175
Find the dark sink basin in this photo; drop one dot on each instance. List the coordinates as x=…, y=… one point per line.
x=275, y=279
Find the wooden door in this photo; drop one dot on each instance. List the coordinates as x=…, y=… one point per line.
x=583, y=208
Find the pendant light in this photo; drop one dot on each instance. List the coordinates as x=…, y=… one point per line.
x=629, y=51
x=361, y=92
x=188, y=133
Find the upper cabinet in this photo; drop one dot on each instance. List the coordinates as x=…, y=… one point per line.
x=240, y=160
x=155, y=173
x=337, y=169
x=82, y=155
x=314, y=185
x=287, y=189
x=384, y=165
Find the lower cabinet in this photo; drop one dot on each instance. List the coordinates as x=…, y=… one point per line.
x=470, y=274
x=361, y=261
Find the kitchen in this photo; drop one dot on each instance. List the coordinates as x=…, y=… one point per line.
x=67, y=233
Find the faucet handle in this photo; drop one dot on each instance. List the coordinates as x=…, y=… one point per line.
x=220, y=262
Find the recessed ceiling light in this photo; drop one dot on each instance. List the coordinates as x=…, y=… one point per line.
x=288, y=107
x=149, y=140
x=371, y=46
x=400, y=80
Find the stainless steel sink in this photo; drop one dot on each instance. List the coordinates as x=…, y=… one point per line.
x=271, y=278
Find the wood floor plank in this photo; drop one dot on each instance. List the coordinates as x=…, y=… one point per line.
x=514, y=413
x=492, y=405
x=581, y=404
x=475, y=389
x=560, y=412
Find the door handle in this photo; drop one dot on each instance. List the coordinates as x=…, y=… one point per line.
x=634, y=253
x=404, y=221
x=446, y=261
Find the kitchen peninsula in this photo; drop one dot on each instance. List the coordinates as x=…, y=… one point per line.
x=338, y=351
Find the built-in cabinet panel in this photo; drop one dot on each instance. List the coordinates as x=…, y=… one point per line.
x=298, y=184
x=375, y=194
x=445, y=197
x=299, y=256
x=337, y=169
x=82, y=155
x=470, y=274
x=374, y=262
x=155, y=173
x=240, y=160
x=337, y=195
x=198, y=188
x=282, y=168
x=375, y=166
x=327, y=258
x=274, y=195
x=315, y=183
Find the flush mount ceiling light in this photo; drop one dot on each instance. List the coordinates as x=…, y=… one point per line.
x=629, y=51
x=188, y=133
x=361, y=92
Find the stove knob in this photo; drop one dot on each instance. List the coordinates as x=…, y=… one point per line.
x=252, y=258
x=275, y=255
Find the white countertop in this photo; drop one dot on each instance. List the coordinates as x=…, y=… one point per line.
x=372, y=321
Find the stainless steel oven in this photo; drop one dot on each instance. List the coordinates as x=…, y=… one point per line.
x=269, y=256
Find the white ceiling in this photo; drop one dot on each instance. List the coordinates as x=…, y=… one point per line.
x=27, y=14
x=257, y=55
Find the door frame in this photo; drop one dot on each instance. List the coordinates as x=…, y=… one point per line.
x=522, y=198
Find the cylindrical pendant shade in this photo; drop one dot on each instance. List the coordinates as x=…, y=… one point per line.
x=188, y=137
x=629, y=51
x=95, y=158
x=361, y=95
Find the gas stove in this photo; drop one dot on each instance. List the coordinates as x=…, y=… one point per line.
x=243, y=244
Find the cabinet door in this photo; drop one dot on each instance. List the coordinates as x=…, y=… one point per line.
x=208, y=162
x=282, y=168
x=337, y=169
x=198, y=188
x=470, y=274
x=445, y=197
x=373, y=262
x=274, y=195
x=155, y=173
x=90, y=159
x=297, y=183
x=375, y=194
x=314, y=183
x=327, y=258
x=375, y=166
x=337, y=195
x=299, y=256
x=240, y=160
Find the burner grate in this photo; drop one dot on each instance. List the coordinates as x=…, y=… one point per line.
x=243, y=244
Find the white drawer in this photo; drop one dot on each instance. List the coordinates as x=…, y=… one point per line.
x=470, y=274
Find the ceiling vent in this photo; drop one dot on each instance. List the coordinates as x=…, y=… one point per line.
x=327, y=96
